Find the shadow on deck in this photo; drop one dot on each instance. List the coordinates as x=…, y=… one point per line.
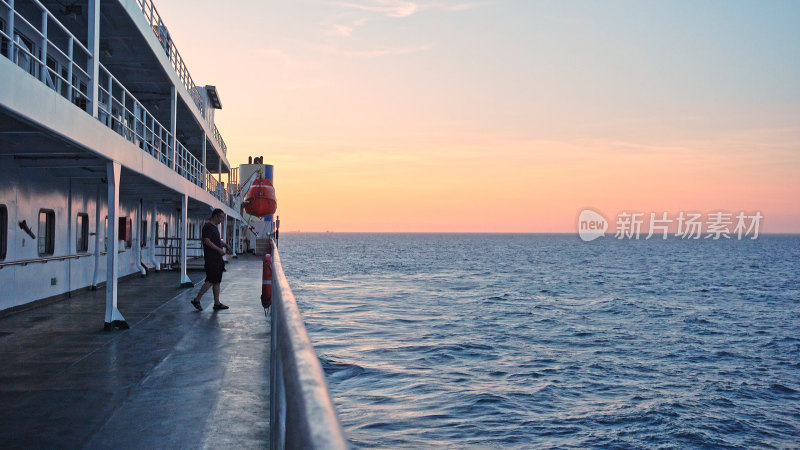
x=177, y=378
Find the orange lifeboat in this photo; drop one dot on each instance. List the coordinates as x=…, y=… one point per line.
x=260, y=200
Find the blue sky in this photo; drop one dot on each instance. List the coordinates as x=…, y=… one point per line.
x=374, y=90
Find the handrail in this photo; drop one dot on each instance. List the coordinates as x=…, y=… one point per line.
x=162, y=34
x=35, y=64
x=25, y=262
x=117, y=108
x=302, y=412
x=220, y=141
x=134, y=122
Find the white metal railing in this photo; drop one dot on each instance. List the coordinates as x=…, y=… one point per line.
x=211, y=183
x=54, y=56
x=220, y=141
x=187, y=165
x=119, y=110
x=47, y=51
x=151, y=14
x=302, y=413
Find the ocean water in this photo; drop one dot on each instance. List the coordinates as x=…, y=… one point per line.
x=453, y=340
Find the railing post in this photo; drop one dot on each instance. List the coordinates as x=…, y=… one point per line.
x=173, y=120
x=204, y=182
x=70, y=44
x=110, y=109
x=10, y=22
x=136, y=137
x=123, y=125
x=43, y=75
x=94, y=50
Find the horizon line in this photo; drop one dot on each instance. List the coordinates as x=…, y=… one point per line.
x=793, y=233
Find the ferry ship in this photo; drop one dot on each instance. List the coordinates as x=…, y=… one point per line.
x=110, y=163
x=111, y=160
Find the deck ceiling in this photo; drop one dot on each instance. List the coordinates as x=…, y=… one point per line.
x=37, y=149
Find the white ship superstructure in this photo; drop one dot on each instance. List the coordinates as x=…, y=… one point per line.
x=109, y=154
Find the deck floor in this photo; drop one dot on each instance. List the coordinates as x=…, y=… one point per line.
x=178, y=378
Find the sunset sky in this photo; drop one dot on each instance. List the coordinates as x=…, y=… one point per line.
x=504, y=115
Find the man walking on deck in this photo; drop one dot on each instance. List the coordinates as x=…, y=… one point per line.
x=213, y=249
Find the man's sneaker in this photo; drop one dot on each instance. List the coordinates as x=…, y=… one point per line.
x=220, y=306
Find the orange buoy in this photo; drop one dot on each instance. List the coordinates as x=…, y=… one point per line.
x=260, y=200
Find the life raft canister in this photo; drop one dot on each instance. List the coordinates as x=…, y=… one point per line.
x=260, y=200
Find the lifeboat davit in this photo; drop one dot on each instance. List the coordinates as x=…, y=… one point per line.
x=260, y=200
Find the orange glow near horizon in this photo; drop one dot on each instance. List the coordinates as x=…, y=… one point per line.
x=539, y=187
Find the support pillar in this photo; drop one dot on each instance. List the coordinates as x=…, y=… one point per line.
x=114, y=318
x=185, y=281
x=93, y=40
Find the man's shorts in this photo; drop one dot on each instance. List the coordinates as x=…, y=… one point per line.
x=214, y=272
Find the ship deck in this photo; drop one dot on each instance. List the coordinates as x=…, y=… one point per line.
x=178, y=378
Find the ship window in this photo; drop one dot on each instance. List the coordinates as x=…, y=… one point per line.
x=47, y=231
x=157, y=234
x=166, y=231
x=125, y=233
x=82, y=244
x=144, y=233
x=3, y=231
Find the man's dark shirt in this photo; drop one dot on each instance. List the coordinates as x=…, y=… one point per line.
x=212, y=256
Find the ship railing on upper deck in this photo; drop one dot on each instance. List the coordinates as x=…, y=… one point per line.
x=54, y=56
x=216, y=188
x=47, y=51
x=302, y=413
x=211, y=182
x=119, y=110
x=220, y=141
x=188, y=165
x=151, y=14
